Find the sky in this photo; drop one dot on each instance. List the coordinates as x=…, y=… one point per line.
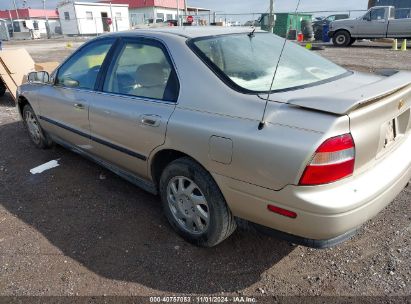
x=235, y=6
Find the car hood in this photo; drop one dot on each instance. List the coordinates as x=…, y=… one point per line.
x=346, y=94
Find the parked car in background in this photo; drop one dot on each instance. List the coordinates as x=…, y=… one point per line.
x=319, y=24
x=191, y=114
x=378, y=22
x=255, y=23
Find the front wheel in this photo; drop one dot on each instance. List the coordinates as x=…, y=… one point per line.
x=342, y=38
x=194, y=205
x=36, y=133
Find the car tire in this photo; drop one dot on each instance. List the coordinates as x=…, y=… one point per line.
x=341, y=38
x=2, y=88
x=37, y=135
x=194, y=205
x=352, y=41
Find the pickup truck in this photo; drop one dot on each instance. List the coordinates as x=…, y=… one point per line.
x=378, y=22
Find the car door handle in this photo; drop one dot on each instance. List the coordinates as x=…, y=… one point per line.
x=150, y=120
x=79, y=106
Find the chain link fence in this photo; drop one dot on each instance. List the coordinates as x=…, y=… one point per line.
x=94, y=26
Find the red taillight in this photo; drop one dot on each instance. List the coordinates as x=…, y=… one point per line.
x=282, y=211
x=333, y=160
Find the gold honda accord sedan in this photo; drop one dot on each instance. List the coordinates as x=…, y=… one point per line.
x=193, y=114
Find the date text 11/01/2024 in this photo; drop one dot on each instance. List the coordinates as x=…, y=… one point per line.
x=203, y=299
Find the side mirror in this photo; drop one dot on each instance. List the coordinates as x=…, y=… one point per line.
x=42, y=77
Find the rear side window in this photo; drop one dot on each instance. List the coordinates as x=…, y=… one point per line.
x=142, y=70
x=81, y=70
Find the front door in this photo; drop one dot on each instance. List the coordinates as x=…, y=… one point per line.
x=105, y=20
x=373, y=24
x=128, y=119
x=64, y=104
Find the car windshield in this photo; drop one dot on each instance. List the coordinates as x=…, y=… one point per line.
x=250, y=62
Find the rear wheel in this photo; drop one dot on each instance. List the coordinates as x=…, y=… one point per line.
x=342, y=38
x=39, y=138
x=194, y=205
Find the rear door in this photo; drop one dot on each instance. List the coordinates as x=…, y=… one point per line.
x=373, y=24
x=64, y=104
x=138, y=94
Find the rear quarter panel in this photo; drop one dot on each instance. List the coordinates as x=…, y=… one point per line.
x=272, y=157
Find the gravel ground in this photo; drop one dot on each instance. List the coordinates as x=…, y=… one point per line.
x=80, y=230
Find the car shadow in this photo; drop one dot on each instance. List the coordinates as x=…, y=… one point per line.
x=117, y=230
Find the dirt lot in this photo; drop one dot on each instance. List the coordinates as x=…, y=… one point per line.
x=80, y=230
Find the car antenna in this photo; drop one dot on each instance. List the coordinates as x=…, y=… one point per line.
x=262, y=123
x=251, y=34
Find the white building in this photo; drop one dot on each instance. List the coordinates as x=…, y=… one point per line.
x=27, y=23
x=34, y=29
x=144, y=11
x=87, y=18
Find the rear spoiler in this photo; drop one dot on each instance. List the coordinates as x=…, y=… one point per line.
x=354, y=99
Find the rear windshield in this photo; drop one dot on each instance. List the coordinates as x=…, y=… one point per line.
x=249, y=63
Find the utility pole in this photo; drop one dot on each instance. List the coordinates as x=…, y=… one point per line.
x=185, y=8
x=15, y=7
x=271, y=17
x=178, y=13
x=47, y=20
x=12, y=24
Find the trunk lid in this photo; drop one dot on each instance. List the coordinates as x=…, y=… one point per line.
x=355, y=98
x=378, y=111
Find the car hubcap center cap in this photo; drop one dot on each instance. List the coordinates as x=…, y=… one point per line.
x=186, y=205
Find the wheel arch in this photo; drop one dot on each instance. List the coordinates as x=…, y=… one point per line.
x=160, y=160
x=343, y=29
x=21, y=103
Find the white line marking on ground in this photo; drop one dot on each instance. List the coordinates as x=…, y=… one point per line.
x=47, y=166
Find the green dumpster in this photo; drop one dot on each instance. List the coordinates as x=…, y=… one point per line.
x=284, y=22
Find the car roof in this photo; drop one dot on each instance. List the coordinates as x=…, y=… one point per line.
x=189, y=31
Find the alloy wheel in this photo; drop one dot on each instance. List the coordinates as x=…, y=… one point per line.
x=188, y=205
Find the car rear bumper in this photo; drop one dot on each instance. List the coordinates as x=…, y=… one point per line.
x=323, y=212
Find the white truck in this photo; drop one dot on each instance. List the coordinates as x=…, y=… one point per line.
x=378, y=22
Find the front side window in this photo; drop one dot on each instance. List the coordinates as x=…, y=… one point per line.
x=142, y=70
x=81, y=70
x=378, y=14
x=250, y=63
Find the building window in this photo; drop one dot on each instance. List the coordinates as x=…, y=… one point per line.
x=35, y=25
x=89, y=15
x=118, y=16
x=66, y=16
x=169, y=17
x=160, y=16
